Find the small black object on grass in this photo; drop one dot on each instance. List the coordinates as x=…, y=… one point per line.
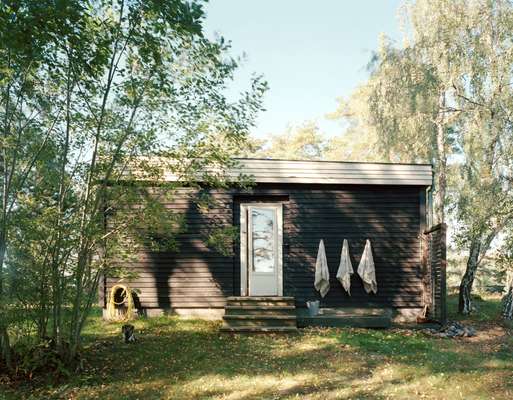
x=128, y=332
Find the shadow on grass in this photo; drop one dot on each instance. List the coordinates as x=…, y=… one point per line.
x=190, y=359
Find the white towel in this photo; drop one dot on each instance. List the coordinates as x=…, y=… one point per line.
x=367, y=271
x=322, y=274
x=345, y=268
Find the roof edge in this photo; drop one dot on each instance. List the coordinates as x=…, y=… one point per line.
x=331, y=161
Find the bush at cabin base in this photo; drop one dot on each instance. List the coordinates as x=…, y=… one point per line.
x=40, y=362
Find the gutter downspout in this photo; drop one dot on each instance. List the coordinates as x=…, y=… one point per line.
x=429, y=206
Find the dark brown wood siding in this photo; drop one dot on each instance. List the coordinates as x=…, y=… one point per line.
x=194, y=276
x=198, y=276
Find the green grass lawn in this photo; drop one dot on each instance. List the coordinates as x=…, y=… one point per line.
x=190, y=359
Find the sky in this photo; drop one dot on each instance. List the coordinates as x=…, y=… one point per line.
x=311, y=52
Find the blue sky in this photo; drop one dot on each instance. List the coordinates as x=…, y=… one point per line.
x=309, y=51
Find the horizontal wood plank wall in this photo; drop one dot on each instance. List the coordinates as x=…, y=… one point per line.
x=195, y=276
x=389, y=216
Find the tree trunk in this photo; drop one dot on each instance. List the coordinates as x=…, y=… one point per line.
x=441, y=161
x=507, y=300
x=5, y=345
x=465, y=299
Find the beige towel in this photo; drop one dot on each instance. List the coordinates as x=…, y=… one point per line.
x=345, y=268
x=367, y=271
x=322, y=274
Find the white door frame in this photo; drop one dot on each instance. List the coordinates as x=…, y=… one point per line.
x=245, y=246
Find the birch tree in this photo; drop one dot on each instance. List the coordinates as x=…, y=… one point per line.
x=484, y=133
x=505, y=265
x=444, y=97
x=507, y=300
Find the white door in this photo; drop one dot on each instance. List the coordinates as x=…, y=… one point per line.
x=261, y=249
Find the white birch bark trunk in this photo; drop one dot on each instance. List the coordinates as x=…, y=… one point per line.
x=465, y=299
x=441, y=175
x=507, y=300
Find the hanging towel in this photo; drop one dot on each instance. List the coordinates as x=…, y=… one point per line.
x=345, y=268
x=367, y=271
x=322, y=274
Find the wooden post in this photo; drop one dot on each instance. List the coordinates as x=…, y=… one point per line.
x=425, y=265
x=425, y=262
x=442, y=242
x=436, y=237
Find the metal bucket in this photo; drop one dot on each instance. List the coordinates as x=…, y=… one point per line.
x=313, y=307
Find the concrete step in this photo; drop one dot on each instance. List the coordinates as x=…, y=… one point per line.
x=260, y=310
x=253, y=329
x=347, y=317
x=260, y=320
x=345, y=322
x=260, y=314
x=278, y=301
x=256, y=298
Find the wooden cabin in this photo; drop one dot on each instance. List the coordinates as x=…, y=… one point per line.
x=268, y=278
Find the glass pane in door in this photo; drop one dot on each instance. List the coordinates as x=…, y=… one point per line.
x=263, y=221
